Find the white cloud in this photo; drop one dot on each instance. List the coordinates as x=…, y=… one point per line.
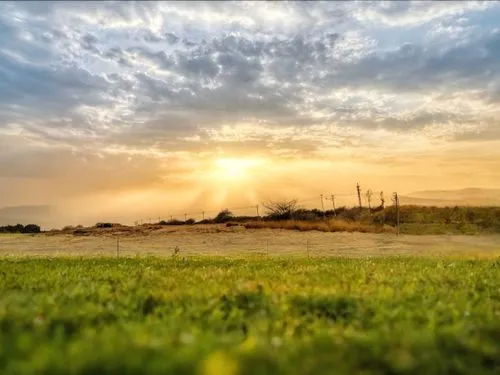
x=175, y=74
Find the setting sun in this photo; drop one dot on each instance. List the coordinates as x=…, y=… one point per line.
x=232, y=168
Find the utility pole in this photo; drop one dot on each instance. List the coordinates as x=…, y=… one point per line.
x=203, y=215
x=322, y=206
x=395, y=199
x=185, y=217
x=369, y=199
x=257, y=208
x=333, y=205
x=359, y=194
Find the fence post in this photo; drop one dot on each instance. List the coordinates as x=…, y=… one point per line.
x=117, y=246
x=333, y=205
x=322, y=206
x=397, y=207
x=396, y=202
x=307, y=247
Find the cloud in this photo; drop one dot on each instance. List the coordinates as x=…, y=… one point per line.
x=156, y=80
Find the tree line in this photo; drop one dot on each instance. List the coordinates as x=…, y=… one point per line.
x=19, y=228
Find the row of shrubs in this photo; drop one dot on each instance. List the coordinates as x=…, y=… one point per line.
x=482, y=218
x=19, y=228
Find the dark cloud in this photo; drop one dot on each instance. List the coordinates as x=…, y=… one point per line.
x=198, y=65
x=45, y=88
x=89, y=42
x=198, y=78
x=171, y=38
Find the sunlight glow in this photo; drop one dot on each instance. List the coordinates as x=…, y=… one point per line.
x=234, y=169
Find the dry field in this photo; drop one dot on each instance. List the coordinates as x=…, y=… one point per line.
x=225, y=241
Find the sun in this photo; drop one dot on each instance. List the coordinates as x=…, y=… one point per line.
x=234, y=168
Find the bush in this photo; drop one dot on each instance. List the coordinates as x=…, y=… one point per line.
x=104, y=225
x=19, y=228
x=31, y=228
x=174, y=222
x=205, y=221
x=281, y=209
x=224, y=216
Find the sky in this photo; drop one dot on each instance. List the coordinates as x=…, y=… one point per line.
x=125, y=109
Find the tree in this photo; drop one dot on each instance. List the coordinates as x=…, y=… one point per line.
x=31, y=228
x=223, y=216
x=281, y=210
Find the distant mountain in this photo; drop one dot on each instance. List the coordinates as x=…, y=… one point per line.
x=26, y=215
x=465, y=197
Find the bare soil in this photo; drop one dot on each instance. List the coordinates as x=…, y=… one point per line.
x=222, y=240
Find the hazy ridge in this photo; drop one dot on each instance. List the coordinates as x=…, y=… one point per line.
x=460, y=197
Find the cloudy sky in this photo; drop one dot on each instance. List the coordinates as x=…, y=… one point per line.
x=121, y=109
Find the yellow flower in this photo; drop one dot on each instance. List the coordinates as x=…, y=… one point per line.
x=219, y=363
x=249, y=344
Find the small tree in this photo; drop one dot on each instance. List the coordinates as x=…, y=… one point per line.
x=281, y=210
x=224, y=216
x=31, y=228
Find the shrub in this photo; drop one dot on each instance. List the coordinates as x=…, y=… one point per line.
x=31, y=228
x=206, y=221
x=19, y=228
x=281, y=210
x=174, y=222
x=223, y=216
x=104, y=225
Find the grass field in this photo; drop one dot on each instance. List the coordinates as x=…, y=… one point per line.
x=252, y=315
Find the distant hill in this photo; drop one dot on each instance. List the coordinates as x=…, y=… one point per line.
x=26, y=215
x=461, y=197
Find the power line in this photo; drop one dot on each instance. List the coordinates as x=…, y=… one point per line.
x=202, y=213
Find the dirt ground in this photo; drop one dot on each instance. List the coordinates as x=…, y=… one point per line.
x=221, y=240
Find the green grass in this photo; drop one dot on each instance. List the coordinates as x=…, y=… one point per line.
x=249, y=316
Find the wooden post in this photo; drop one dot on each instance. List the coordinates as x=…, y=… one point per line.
x=397, y=207
x=307, y=247
x=333, y=205
x=396, y=202
x=359, y=194
x=322, y=206
x=369, y=200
